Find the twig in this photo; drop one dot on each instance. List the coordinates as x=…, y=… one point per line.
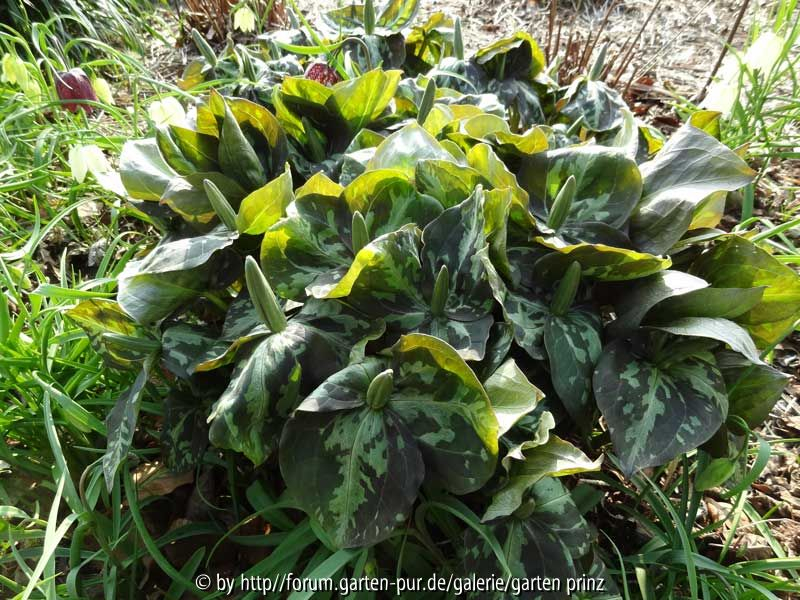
x=550, y=26
x=629, y=55
x=589, y=49
x=724, y=51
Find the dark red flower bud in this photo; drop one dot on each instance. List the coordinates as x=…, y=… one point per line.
x=323, y=73
x=75, y=85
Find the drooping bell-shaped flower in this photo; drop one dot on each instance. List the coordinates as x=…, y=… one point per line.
x=75, y=85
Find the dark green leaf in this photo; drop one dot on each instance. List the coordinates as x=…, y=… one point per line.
x=753, y=389
x=691, y=166
x=735, y=262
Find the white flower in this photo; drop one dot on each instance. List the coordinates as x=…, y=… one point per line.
x=722, y=96
x=724, y=91
x=167, y=112
x=765, y=53
x=244, y=19
x=87, y=159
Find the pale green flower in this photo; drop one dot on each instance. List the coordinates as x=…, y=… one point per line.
x=103, y=90
x=85, y=159
x=167, y=112
x=244, y=19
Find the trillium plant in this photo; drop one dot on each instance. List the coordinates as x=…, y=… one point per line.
x=414, y=293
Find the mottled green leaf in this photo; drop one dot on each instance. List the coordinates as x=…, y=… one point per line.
x=544, y=541
x=608, y=184
x=310, y=249
x=357, y=472
x=600, y=106
x=387, y=200
x=555, y=458
x=447, y=410
x=393, y=277
x=357, y=466
x=691, y=166
x=268, y=382
x=598, y=261
x=657, y=412
x=174, y=272
x=184, y=435
x=120, y=340
x=121, y=425
x=185, y=346
x=573, y=345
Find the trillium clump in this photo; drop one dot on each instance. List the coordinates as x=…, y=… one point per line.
x=408, y=288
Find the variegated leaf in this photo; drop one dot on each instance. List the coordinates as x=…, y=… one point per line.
x=573, y=345
x=184, y=436
x=599, y=105
x=268, y=382
x=356, y=466
x=394, y=277
x=599, y=261
x=444, y=405
x=555, y=458
x=311, y=250
x=121, y=425
x=175, y=271
x=544, y=541
x=608, y=184
x=656, y=412
x=120, y=340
